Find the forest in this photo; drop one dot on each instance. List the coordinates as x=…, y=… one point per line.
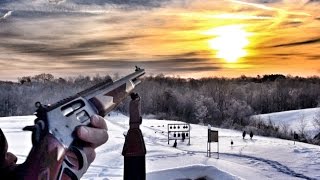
x=222, y=102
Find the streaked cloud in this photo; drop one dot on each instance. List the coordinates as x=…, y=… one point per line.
x=79, y=6
x=240, y=16
x=309, y=41
x=157, y=66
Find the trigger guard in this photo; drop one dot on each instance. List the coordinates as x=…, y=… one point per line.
x=68, y=168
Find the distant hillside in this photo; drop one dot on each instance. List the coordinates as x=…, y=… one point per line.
x=295, y=120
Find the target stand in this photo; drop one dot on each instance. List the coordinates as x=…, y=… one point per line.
x=213, y=136
x=179, y=132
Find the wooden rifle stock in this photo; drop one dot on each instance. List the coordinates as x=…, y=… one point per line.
x=44, y=160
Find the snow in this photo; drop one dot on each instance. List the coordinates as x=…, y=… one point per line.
x=259, y=158
x=293, y=119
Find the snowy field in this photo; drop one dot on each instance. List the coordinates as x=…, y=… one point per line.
x=259, y=158
x=294, y=119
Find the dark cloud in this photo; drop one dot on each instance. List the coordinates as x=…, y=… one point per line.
x=98, y=43
x=310, y=41
x=185, y=55
x=314, y=57
x=313, y=1
x=58, y=51
x=164, y=63
x=8, y=34
x=45, y=14
x=113, y=20
x=291, y=23
x=82, y=48
x=287, y=54
x=76, y=6
x=197, y=69
x=159, y=65
x=267, y=1
x=151, y=3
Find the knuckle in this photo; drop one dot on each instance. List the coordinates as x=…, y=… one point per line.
x=90, y=153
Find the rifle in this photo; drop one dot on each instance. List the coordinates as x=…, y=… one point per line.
x=53, y=131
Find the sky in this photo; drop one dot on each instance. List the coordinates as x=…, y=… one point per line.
x=185, y=38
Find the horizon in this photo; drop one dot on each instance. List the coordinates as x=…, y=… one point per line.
x=185, y=38
x=117, y=76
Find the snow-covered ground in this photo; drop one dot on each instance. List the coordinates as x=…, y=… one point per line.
x=294, y=119
x=259, y=158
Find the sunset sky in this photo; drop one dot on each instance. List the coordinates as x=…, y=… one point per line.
x=186, y=38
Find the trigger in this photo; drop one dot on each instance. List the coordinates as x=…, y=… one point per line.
x=36, y=130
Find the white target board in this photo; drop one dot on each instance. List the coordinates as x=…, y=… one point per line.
x=179, y=132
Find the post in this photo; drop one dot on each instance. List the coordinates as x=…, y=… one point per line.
x=295, y=137
x=207, y=149
x=209, y=142
x=189, y=134
x=213, y=136
x=134, y=150
x=168, y=134
x=218, y=148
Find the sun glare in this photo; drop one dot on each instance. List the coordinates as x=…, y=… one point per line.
x=229, y=42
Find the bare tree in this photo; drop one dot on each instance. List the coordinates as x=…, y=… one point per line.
x=302, y=125
x=201, y=110
x=316, y=121
x=284, y=128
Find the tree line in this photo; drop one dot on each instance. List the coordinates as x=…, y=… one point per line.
x=19, y=98
x=223, y=102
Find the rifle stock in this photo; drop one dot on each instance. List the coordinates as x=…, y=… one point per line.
x=44, y=160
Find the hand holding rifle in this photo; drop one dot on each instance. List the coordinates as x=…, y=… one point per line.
x=66, y=133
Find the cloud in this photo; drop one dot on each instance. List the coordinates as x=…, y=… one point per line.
x=186, y=64
x=8, y=34
x=60, y=51
x=310, y=41
x=243, y=16
x=314, y=57
x=78, y=6
x=197, y=69
x=96, y=44
x=266, y=5
x=256, y=4
x=6, y=15
x=313, y=1
x=151, y=3
x=47, y=47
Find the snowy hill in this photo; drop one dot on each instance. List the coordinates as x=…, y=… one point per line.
x=293, y=119
x=259, y=158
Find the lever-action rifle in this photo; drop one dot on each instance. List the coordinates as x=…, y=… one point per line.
x=53, y=132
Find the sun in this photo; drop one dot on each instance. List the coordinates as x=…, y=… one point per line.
x=229, y=42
